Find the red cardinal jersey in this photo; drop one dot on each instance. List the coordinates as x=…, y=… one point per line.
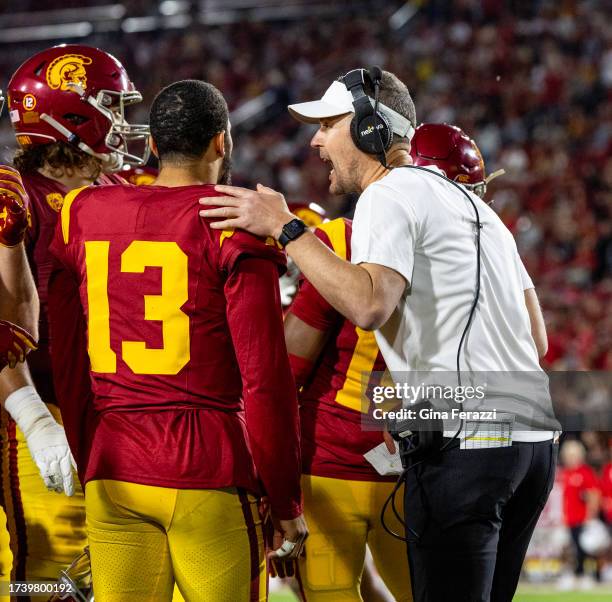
x=46, y=199
x=576, y=482
x=333, y=442
x=183, y=322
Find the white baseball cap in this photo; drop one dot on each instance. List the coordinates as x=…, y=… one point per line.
x=337, y=101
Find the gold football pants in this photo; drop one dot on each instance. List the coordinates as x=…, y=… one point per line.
x=143, y=539
x=343, y=516
x=46, y=530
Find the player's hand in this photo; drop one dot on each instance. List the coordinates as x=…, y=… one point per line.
x=13, y=207
x=15, y=342
x=262, y=212
x=389, y=442
x=49, y=449
x=46, y=438
x=273, y=539
x=287, y=545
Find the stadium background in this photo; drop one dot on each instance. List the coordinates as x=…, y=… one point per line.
x=530, y=80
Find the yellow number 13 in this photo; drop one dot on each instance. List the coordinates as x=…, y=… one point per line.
x=174, y=355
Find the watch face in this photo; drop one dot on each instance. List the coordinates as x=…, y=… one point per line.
x=294, y=227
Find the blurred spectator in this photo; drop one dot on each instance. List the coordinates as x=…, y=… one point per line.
x=581, y=498
x=606, y=493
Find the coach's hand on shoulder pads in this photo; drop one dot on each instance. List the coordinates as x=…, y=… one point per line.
x=13, y=207
x=46, y=438
x=262, y=212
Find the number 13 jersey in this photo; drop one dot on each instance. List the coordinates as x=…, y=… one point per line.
x=176, y=319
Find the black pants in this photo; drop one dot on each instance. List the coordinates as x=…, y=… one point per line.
x=581, y=555
x=474, y=512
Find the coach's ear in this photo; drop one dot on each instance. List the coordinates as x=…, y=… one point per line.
x=153, y=146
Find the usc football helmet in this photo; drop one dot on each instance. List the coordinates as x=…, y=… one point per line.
x=312, y=215
x=139, y=176
x=77, y=94
x=454, y=152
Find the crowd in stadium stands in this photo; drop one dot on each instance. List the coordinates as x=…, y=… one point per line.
x=529, y=84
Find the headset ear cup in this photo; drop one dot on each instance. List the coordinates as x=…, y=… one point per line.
x=354, y=127
x=365, y=136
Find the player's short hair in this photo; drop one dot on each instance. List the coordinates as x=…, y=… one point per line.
x=184, y=117
x=59, y=157
x=394, y=94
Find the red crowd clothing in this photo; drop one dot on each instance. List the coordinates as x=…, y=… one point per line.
x=331, y=412
x=191, y=380
x=606, y=492
x=576, y=483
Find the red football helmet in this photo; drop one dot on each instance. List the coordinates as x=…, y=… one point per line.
x=77, y=94
x=310, y=213
x=454, y=152
x=139, y=176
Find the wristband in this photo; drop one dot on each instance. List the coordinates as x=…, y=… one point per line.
x=28, y=410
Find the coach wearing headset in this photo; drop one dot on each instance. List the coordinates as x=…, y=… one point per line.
x=430, y=264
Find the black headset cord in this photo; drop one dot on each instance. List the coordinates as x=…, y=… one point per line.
x=403, y=475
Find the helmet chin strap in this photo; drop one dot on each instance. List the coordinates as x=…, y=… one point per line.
x=107, y=159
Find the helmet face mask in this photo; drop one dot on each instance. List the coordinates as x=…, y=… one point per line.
x=112, y=105
x=78, y=94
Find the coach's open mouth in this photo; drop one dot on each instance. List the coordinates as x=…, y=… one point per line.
x=328, y=161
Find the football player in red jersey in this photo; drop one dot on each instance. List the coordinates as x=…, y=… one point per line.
x=67, y=109
x=343, y=494
x=15, y=342
x=312, y=215
x=45, y=438
x=194, y=404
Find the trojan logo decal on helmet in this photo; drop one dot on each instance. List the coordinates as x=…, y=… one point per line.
x=68, y=71
x=80, y=94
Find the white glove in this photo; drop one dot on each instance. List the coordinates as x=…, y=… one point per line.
x=45, y=437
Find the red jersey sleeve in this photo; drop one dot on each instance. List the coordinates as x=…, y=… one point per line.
x=590, y=479
x=237, y=244
x=309, y=306
x=69, y=358
x=255, y=320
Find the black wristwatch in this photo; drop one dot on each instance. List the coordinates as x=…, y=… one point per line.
x=294, y=229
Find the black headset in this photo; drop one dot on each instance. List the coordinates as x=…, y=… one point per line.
x=371, y=129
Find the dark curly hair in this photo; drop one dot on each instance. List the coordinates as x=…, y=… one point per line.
x=60, y=157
